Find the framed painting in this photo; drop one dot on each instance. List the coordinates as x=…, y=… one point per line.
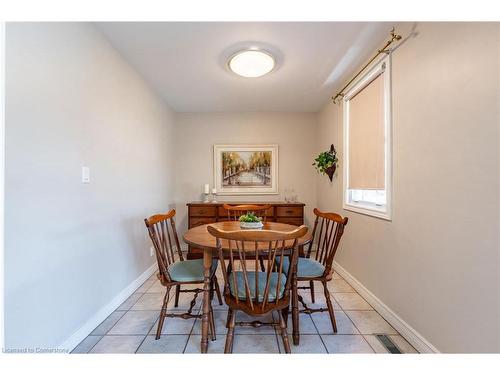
x=246, y=169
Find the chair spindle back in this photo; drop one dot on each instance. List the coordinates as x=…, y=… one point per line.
x=327, y=232
x=269, y=246
x=163, y=234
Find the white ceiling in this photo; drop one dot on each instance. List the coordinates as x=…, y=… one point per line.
x=186, y=61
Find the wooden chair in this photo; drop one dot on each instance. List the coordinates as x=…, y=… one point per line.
x=255, y=292
x=327, y=232
x=176, y=272
x=234, y=212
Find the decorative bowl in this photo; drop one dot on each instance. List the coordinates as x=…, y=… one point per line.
x=247, y=225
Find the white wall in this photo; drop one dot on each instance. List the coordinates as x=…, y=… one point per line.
x=196, y=133
x=437, y=263
x=71, y=101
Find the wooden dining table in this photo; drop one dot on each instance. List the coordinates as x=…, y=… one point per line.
x=199, y=237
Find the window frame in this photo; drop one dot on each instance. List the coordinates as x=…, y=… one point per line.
x=383, y=66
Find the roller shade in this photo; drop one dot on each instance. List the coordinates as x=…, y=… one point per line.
x=367, y=137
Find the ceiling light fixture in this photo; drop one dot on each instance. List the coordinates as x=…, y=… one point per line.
x=251, y=63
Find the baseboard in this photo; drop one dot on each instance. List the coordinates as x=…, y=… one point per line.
x=104, y=312
x=410, y=334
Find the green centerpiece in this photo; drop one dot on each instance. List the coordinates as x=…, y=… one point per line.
x=250, y=221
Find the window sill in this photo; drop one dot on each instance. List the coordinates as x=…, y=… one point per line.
x=368, y=211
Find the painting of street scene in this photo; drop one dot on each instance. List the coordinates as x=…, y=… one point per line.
x=246, y=168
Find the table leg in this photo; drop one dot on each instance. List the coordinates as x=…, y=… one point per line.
x=295, y=307
x=207, y=264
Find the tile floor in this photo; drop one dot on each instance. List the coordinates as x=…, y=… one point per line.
x=131, y=328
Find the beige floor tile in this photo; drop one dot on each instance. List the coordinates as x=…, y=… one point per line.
x=346, y=344
x=214, y=347
x=156, y=287
x=339, y=286
x=149, y=301
x=370, y=322
x=174, y=326
x=130, y=301
x=145, y=286
x=306, y=325
x=135, y=323
x=319, y=300
x=336, y=276
x=108, y=323
x=86, y=345
x=153, y=277
x=324, y=326
x=308, y=344
x=117, y=344
x=403, y=345
x=351, y=301
x=255, y=344
x=165, y=344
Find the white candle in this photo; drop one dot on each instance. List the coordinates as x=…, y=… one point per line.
x=214, y=191
x=207, y=189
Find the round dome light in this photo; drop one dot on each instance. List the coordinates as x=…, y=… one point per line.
x=251, y=63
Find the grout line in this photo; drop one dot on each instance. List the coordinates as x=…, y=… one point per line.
x=191, y=333
x=106, y=333
x=140, y=344
x=110, y=328
x=88, y=351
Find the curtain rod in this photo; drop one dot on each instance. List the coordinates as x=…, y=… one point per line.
x=384, y=49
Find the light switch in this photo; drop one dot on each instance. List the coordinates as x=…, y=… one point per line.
x=85, y=175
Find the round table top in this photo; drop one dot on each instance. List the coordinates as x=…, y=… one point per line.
x=199, y=236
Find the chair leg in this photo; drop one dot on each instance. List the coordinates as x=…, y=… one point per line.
x=330, y=307
x=285, y=313
x=230, y=334
x=163, y=313
x=284, y=333
x=212, y=324
x=177, y=292
x=311, y=286
x=229, y=314
x=217, y=290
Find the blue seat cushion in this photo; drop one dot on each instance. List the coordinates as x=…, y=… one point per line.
x=262, y=276
x=188, y=270
x=306, y=267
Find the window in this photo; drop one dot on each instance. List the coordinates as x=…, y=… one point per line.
x=367, y=143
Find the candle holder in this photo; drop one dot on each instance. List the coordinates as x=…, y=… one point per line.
x=214, y=197
x=207, y=198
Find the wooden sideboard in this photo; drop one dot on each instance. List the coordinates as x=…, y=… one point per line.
x=200, y=213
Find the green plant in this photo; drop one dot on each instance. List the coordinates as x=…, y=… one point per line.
x=250, y=218
x=326, y=162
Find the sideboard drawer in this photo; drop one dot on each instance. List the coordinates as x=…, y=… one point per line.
x=197, y=221
x=290, y=211
x=291, y=220
x=202, y=211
